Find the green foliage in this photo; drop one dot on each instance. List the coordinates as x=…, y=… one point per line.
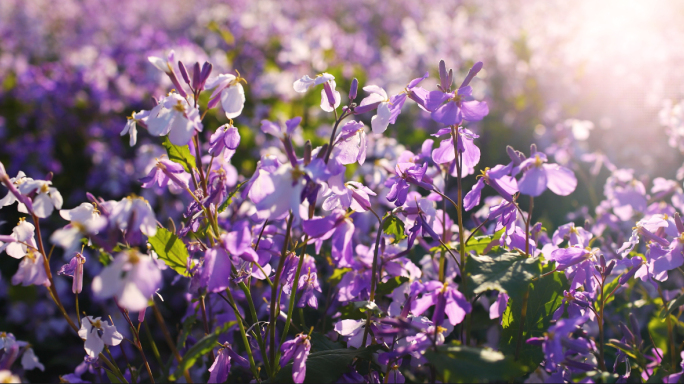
x=480, y=243
x=545, y=296
x=389, y=286
x=394, y=227
x=201, y=348
x=326, y=366
x=672, y=306
x=113, y=379
x=171, y=250
x=185, y=332
x=357, y=310
x=320, y=342
x=460, y=364
x=180, y=154
x=508, y=272
x=337, y=275
x=232, y=194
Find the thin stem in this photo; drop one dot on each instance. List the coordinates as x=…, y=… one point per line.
x=527, y=227
x=155, y=350
x=373, y=273
x=526, y=297
x=331, y=143
x=274, y=294
x=205, y=322
x=248, y=348
x=293, y=295
x=442, y=258
x=670, y=333
x=169, y=340
x=138, y=342
x=255, y=320
x=601, y=358
x=198, y=156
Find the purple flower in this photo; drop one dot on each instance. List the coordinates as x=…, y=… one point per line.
x=558, y=335
x=538, y=176
x=74, y=269
x=132, y=278
x=567, y=257
x=330, y=98
x=296, y=350
x=497, y=309
x=460, y=105
x=216, y=270
x=308, y=284
x=575, y=235
x=45, y=197
x=164, y=173
x=133, y=214
x=447, y=301
x=497, y=178
x=277, y=130
x=351, y=194
x=464, y=142
x=350, y=145
x=406, y=173
x=338, y=226
x=226, y=137
x=238, y=242
x=221, y=367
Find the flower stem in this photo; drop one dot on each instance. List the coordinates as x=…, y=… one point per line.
x=526, y=296
x=205, y=321
x=274, y=295
x=169, y=340
x=373, y=273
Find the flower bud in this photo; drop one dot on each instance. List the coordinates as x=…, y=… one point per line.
x=629, y=336
x=77, y=285
x=307, y=152
x=3, y=173
x=536, y=340
x=196, y=76
x=329, y=94
x=609, y=267
x=636, y=330
x=678, y=222
x=443, y=76
x=184, y=72
x=354, y=89
x=206, y=71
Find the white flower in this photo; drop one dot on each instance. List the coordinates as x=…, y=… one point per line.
x=325, y=103
x=381, y=120
x=175, y=117
x=47, y=198
x=140, y=211
x=96, y=334
x=303, y=84
x=85, y=220
x=9, y=199
x=232, y=94
x=132, y=278
x=131, y=126
x=6, y=376
x=23, y=234
x=30, y=361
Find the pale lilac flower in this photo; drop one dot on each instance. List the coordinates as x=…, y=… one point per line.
x=216, y=270
x=538, y=176
x=238, y=242
x=378, y=97
x=497, y=309
x=447, y=301
x=175, y=117
x=166, y=66
x=575, y=235
x=166, y=172
x=451, y=108
x=85, y=221
x=350, y=144
x=229, y=90
x=97, y=334
x=497, y=178
x=330, y=98
x=277, y=129
x=133, y=214
x=46, y=198
x=221, y=368
x=338, y=226
x=131, y=127
x=30, y=361
x=31, y=270
x=351, y=194
x=296, y=350
x=132, y=278
x=567, y=257
x=445, y=154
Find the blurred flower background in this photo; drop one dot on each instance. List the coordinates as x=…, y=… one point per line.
x=592, y=83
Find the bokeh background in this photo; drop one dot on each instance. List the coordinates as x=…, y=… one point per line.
x=585, y=80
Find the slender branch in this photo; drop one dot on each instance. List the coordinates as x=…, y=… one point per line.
x=373, y=273
x=169, y=340
x=274, y=294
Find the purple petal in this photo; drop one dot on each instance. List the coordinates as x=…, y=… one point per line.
x=561, y=180
x=445, y=153
x=448, y=114
x=533, y=182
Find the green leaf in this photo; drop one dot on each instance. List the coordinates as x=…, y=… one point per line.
x=113, y=378
x=389, y=286
x=337, y=275
x=104, y=257
x=326, y=366
x=180, y=154
x=357, y=310
x=672, y=306
x=201, y=348
x=480, y=243
x=185, y=332
x=508, y=272
x=171, y=250
x=229, y=200
x=394, y=227
x=461, y=364
x=545, y=296
x=320, y=342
